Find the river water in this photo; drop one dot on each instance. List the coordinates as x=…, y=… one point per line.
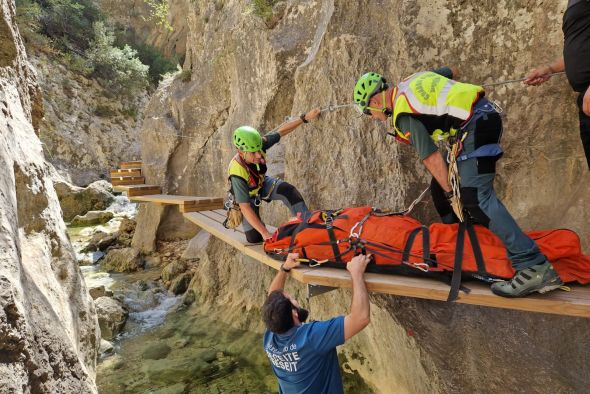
x=167, y=347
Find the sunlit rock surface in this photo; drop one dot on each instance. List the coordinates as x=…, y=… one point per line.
x=48, y=328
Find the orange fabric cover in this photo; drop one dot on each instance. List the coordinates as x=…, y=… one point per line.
x=562, y=247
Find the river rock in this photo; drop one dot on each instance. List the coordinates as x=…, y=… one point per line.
x=111, y=317
x=97, y=292
x=196, y=245
x=123, y=260
x=99, y=241
x=76, y=201
x=156, y=351
x=180, y=283
x=172, y=270
x=106, y=348
x=92, y=218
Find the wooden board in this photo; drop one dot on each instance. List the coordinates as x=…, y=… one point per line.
x=129, y=172
x=127, y=180
x=138, y=190
x=130, y=164
x=573, y=303
x=169, y=199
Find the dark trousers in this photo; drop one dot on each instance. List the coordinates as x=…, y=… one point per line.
x=584, y=128
x=477, y=191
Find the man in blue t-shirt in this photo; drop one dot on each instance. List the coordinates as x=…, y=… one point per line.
x=303, y=356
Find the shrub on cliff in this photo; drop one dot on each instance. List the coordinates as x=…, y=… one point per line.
x=118, y=68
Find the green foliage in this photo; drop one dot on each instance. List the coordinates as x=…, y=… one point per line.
x=186, y=75
x=263, y=8
x=131, y=112
x=118, y=68
x=28, y=14
x=69, y=27
x=149, y=55
x=77, y=63
x=104, y=111
x=159, y=10
x=69, y=21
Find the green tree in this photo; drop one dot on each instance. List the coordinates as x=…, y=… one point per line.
x=119, y=69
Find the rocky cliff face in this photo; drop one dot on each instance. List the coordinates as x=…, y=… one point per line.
x=86, y=131
x=48, y=327
x=252, y=70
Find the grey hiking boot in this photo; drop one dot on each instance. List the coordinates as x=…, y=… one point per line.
x=541, y=278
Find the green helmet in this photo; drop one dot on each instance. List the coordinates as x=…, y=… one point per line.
x=247, y=139
x=367, y=86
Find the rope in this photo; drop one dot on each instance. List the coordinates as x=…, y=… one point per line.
x=514, y=80
x=329, y=108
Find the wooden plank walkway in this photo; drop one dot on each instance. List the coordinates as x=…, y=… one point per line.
x=185, y=203
x=138, y=190
x=573, y=303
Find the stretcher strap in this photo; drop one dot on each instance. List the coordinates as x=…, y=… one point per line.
x=456, y=279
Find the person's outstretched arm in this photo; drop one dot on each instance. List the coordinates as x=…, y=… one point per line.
x=359, y=316
x=278, y=282
x=293, y=124
x=541, y=74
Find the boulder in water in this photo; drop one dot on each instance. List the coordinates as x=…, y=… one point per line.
x=111, y=317
x=123, y=260
x=180, y=284
x=76, y=201
x=92, y=218
x=172, y=270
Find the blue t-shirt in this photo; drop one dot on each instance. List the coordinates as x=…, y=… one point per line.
x=304, y=358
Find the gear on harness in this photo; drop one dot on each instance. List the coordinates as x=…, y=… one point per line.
x=234, y=216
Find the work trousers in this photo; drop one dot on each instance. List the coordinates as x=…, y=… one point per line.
x=275, y=189
x=584, y=128
x=477, y=191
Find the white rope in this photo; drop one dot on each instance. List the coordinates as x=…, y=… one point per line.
x=514, y=80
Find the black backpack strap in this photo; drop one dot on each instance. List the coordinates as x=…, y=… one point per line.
x=476, y=247
x=425, y=244
x=456, y=279
x=333, y=241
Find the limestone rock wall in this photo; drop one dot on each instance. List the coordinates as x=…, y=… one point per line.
x=48, y=326
x=86, y=131
x=246, y=70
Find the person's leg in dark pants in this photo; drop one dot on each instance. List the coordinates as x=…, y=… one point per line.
x=584, y=129
x=287, y=193
x=441, y=204
x=252, y=236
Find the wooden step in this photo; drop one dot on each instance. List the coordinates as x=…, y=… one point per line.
x=138, y=190
x=185, y=203
x=126, y=172
x=127, y=180
x=130, y=164
x=573, y=303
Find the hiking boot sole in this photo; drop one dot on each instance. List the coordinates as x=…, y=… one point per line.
x=542, y=290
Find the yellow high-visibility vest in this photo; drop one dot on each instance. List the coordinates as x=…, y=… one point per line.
x=254, y=179
x=428, y=93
